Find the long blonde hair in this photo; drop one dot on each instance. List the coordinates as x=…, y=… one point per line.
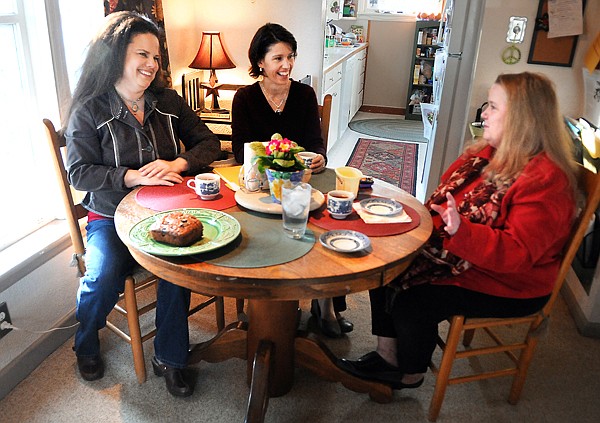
x=533, y=124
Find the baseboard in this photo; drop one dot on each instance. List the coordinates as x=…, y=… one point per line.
x=383, y=109
x=584, y=325
x=19, y=368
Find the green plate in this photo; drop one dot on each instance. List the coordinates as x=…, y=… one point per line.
x=219, y=230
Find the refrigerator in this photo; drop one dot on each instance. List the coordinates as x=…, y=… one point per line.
x=454, y=68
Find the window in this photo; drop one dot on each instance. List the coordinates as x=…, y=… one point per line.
x=33, y=70
x=404, y=7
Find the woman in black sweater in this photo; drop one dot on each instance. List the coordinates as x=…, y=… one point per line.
x=278, y=104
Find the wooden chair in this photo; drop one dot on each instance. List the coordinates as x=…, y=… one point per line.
x=589, y=183
x=138, y=281
x=325, y=116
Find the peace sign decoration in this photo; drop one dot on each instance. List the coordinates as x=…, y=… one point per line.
x=511, y=55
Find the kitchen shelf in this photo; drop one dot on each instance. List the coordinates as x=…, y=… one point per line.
x=420, y=88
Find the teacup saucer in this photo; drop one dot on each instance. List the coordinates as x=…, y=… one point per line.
x=345, y=241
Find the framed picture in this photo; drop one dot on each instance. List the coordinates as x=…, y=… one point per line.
x=557, y=51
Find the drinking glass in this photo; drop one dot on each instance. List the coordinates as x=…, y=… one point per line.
x=295, y=202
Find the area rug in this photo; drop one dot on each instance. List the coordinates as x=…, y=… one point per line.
x=391, y=161
x=395, y=129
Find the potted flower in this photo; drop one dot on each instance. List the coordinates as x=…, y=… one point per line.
x=280, y=162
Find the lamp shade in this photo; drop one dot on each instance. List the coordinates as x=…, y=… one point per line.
x=211, y=54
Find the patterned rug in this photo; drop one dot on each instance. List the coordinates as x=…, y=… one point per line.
x=394, y=129
x=391, y=161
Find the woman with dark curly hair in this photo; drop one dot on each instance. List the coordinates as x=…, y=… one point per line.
x=126, y=129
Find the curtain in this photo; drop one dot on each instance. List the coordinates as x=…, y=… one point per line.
x=153, y=10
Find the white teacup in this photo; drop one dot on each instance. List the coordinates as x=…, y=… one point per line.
x=206, y=185
x=308, y=157
x=339, y=203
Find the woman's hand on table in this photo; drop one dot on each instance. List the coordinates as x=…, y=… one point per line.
x=318, y=164
x=160, y=168
x=449, y=215
x=135, y=177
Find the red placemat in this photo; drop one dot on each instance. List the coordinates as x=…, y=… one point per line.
x=162, y=198
x=323, y=219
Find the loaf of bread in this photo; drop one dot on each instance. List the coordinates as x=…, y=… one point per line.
x=177, y=228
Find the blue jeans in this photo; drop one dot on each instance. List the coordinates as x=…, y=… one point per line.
x=108, y=262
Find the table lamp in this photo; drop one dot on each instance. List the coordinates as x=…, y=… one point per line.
x=211, y=56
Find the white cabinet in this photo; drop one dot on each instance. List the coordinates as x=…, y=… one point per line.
x=347, y=67
x=358, y=82
x=346, y=101
x=333, y=85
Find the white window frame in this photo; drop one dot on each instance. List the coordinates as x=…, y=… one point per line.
x=406, y=10
x=47, y=81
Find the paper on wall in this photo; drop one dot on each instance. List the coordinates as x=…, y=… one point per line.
x=565, y=18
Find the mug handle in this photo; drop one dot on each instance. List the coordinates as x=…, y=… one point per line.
x=189, y=184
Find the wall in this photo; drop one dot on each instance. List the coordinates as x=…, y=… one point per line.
x=388, y=69
x=568, y=80
x=238, y=21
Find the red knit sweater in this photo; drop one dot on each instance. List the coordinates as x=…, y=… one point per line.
x=519, y=255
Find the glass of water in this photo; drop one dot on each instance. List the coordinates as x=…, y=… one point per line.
x=295, y=202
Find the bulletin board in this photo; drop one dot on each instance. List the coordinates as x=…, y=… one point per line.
x=550, y=51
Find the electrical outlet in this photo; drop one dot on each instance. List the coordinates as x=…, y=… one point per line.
x=4, y=317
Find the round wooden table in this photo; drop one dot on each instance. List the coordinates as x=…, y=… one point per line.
x=270, y=342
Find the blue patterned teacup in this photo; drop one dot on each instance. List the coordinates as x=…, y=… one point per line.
x=206, y=185
x=339, y=203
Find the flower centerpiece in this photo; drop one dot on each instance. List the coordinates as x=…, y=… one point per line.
x=280, y=162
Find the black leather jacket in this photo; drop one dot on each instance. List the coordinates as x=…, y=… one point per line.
x=104, y=140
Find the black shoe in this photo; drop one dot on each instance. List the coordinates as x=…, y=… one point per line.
x=176, y=385
x=373, y=367
x=91, y=368
x=329, y=328
x=346, y=326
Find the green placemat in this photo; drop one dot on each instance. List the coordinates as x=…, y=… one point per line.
x=261, y=243
x=324, y=181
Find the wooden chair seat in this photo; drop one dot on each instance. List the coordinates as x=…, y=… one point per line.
x=139, y=280
x=519, y=350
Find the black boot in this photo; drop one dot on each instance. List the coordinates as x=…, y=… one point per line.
x=91, y=368
x=176, y=385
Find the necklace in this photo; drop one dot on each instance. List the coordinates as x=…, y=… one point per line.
x=277, y=106
x=134, y=103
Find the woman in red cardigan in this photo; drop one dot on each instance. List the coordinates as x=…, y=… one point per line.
x=501, y=215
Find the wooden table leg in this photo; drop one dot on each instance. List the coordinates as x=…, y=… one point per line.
x=259, y=389
x=313, y=355
x=274, y=321
x=229, y=343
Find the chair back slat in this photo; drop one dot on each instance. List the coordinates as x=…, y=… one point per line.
x=74, y=211
x=325, y=116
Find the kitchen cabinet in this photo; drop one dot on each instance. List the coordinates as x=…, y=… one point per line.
x=358, y=82
x=343, y=67
x=420, y=88
x=332, y=84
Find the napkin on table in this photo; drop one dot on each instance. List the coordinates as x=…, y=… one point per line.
x=229, y=175
x=367, y=217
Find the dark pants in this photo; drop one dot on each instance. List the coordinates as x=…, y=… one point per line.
x=339, y=304
x=417, y=311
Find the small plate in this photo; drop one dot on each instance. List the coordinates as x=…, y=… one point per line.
x=381, y=206
x=345, y=241
x=219, y=230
